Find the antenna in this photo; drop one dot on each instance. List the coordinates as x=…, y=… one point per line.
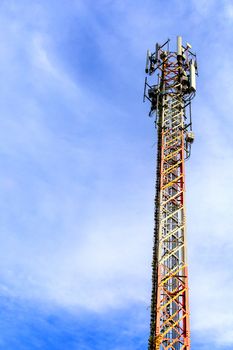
x=148, y=56
x=179, y=46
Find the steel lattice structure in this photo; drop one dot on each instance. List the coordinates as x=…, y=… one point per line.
x=170, y=100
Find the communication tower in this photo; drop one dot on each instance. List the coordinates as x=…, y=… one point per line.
x=170, y=98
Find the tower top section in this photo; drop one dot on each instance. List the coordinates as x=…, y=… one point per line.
x=183, y=59
x=175, y=81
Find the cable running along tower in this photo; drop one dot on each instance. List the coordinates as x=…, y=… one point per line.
x=170, y=98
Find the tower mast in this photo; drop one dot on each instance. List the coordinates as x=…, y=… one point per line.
x=170, y=100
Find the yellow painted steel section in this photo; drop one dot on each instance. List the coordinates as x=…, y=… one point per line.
x=171, y=253
x=174, y=324
x=178, y=194
x=172, y=233
x=170, y=274
x=168, y=170
x=170, y=215
x=172, y=299
x=172, y=182
x=171, y=155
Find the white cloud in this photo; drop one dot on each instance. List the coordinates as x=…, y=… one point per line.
x=228, y=9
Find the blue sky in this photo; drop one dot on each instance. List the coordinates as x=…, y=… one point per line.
x=77, y=172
